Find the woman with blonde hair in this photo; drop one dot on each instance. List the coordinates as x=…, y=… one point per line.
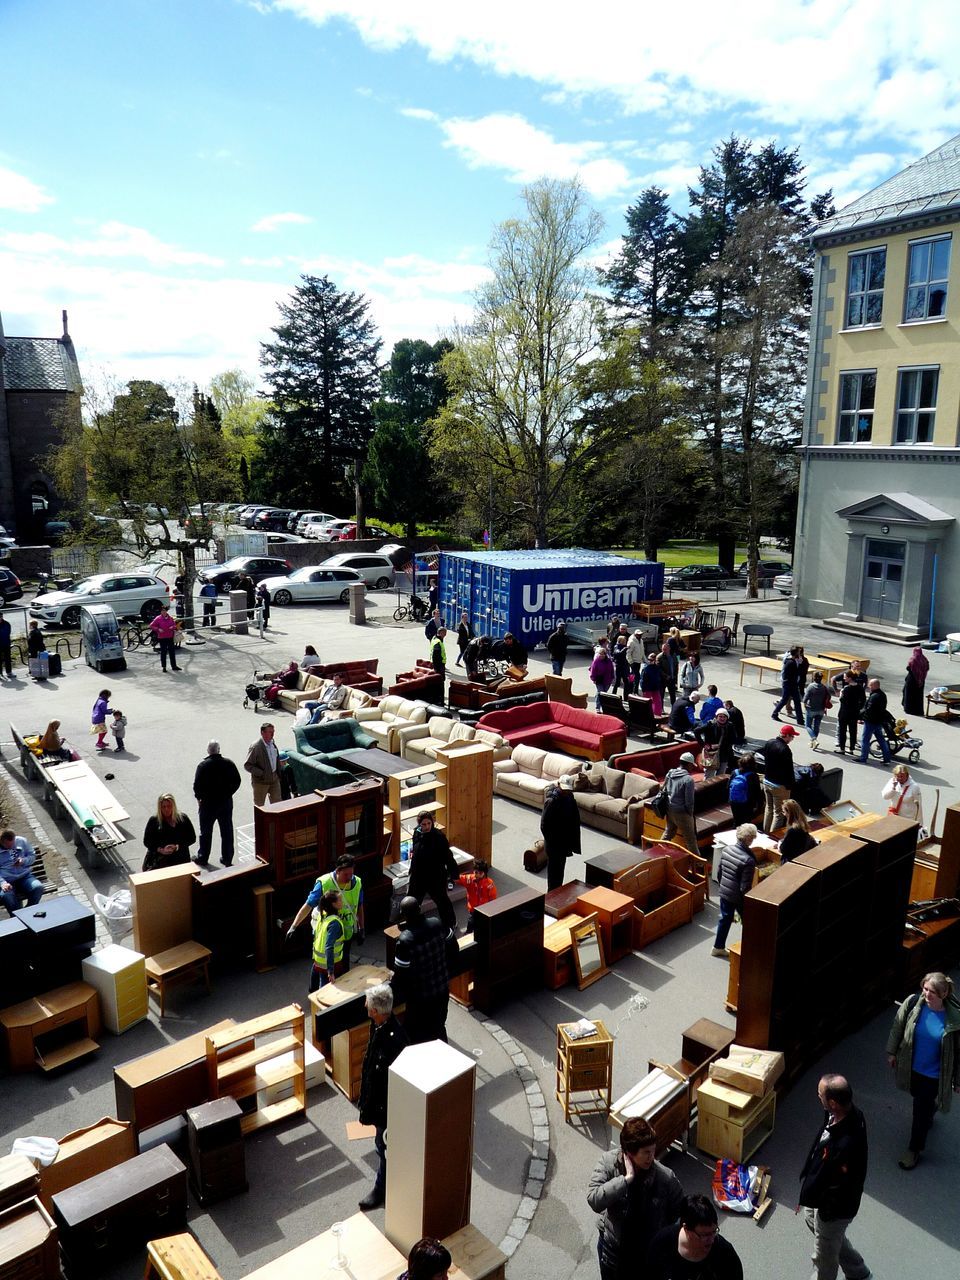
x=51, y=744
x=922, y=1049
x=168, y=836
x=903, y=795
x=797, y=838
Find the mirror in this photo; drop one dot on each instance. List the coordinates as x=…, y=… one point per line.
x=588, y=952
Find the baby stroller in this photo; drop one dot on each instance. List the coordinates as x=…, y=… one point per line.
x=899, y=738
x=256, y=692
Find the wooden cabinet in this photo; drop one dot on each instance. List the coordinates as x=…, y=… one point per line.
x=231, y=1063
x=119, y=977
x=429, y=1173
x=558, y=964
x=468, y=820
x=614, y=912
x=215, y=1143
x=730, y=1123
x=28, y=1243
x=86, y=1152
x=584, y=1066
x=51, y=1030
x=347, y=1050
x=413, y=790
x=160, y=1085
x=700, y=1045
x=106, y=1216
x=19, y=1180
x=509, y=937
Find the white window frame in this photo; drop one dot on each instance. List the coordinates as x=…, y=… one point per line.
x=865, y=292
x=915, y=410
x=858, y=411
x=926, y=318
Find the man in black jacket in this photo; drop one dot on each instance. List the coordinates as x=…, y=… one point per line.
x=851, y=698
x=557, y=645
x=831, y=1181
x=735, y=877
x=215, y=783
x=421, y=976
x=874, y=715
x=683, y=713
x=777, y=777
x=790, y=686
x=387, y=1041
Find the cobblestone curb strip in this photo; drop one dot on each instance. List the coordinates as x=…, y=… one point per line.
x=540, y=1125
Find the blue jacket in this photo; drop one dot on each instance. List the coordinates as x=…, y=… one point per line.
x=16, y=863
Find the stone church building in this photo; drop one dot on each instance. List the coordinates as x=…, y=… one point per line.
x=40, y=392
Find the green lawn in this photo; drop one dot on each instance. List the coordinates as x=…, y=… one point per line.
x=676, y=554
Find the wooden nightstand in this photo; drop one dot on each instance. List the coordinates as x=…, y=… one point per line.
x=584, y=1066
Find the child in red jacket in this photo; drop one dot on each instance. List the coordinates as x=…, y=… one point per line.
x=480, y=889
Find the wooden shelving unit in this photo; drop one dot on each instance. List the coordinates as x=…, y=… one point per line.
x=416, y=789
x=233, y=1074
x=585, y=1067
x=469, y=798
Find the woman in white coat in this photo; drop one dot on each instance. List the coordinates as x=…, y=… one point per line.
x=902, y=795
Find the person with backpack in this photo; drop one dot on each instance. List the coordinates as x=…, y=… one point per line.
x=745, y=794
x=679, y=790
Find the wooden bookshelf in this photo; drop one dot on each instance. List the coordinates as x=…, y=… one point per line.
x=233, y=1074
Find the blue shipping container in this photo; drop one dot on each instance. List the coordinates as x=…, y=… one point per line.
x=529, y=592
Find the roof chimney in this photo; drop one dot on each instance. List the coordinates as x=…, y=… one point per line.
x=66, y=331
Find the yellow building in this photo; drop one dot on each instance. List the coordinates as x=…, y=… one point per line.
x=878, y=543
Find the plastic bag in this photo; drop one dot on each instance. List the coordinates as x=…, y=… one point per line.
x=736, y=1186
x=116, y=906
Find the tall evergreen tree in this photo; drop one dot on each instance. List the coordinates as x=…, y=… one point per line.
x=645, y=278
x=323, y=374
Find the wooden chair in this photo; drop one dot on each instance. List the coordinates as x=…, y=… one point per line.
x=758, y=631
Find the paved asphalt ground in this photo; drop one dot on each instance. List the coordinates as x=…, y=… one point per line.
x=305, y=1175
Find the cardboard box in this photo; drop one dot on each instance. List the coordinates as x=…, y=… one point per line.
x=754, y=1071
x=86, y=1152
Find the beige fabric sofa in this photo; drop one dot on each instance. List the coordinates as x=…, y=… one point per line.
x=611, y=805
x=314, y=689
x=419, y=743
x=604, y=801
x=384, y=719
x=529, y=771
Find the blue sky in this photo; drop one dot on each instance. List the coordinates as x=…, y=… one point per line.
x=168, y=170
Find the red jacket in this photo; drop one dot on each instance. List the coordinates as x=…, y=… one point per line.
x=478, y=891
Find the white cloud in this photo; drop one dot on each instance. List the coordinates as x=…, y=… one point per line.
x=511, y=143
x=112, y=240
x=418, y=113
x=857, y=176
x=20, y=194
x=273, y=221
x=170, y=323
x=888, y=67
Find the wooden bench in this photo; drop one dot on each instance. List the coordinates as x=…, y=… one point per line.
x=188, y=960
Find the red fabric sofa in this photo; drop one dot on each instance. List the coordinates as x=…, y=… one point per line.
x=553, y=726
x=357, y=673
x=423, y=683
x=657, y=762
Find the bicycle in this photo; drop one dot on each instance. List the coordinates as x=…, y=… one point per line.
x=137, y=633
x=417, y=609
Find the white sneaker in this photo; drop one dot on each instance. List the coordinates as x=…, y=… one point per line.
x=814, y=744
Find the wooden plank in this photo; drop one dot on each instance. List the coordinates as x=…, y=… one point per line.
x=53, y=1058
x=260, y=1026
x=271, y=1114
x=76, y=781
x=262, y=1053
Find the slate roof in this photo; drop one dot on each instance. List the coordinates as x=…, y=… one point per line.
x=929, y=185
x=39, y=364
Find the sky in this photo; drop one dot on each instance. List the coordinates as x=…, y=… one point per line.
x=169, y=170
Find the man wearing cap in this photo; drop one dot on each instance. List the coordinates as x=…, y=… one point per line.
x=777, y=777
x=678, y=785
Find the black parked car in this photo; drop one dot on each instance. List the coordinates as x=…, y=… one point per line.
x=767, y=570
x=224, y=576
x=704, y=577
x=273, y=519
x=9, y=585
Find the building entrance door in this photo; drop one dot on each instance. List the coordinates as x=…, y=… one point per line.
x=882, y=582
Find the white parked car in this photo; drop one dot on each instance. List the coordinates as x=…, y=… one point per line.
x=783, y=583
x=375, y=569
x=312, y=517
x=312, y=582
x=331, y=531
x=127, y=594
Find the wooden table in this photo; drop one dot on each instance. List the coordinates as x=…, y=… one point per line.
x=949, y=700
x=762, y=665
x=829, y=668
x=177, y=964
x=848, y=658
x=382, y=764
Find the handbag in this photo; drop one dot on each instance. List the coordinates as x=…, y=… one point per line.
x=660, y=803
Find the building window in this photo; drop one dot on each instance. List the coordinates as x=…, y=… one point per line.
x=927, y=272
x=865, y=288
x=916, y=405
x=858, y=391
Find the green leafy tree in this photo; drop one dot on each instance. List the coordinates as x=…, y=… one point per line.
x=151, y=447
x=244, y=415
x=514, y=409
x=323, y=373
x=399, y=474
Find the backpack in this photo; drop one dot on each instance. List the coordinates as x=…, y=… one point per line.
x=739, y=788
